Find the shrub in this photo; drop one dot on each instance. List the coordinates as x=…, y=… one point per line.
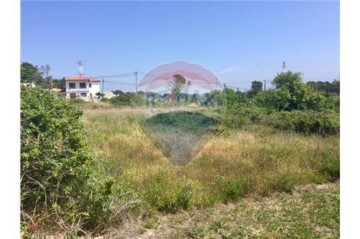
x=128, y=99
x=62, y=186
x=306, y=122
x=240, y=115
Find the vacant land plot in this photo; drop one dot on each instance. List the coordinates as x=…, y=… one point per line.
x=231, y=165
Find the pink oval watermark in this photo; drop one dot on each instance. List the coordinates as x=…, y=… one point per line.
x=178, y=82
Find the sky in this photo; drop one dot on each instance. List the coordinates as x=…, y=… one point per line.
x=237, y=41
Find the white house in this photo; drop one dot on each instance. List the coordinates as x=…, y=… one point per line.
x=82, y=87
x=109, y=95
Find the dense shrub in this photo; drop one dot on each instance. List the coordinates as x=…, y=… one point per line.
x=291, y=93
x=241, y=115
x=128, y=99
x=62, y=186
x=306, y=122
x=235, y=97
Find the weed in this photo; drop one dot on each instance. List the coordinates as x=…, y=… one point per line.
x=234, y=163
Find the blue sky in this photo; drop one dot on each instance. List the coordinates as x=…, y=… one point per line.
x=238, y=41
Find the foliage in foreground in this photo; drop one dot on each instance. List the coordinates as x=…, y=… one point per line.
x=62, y=186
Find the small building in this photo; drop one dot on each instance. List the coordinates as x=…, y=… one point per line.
x=82, y=87
x=28, y=85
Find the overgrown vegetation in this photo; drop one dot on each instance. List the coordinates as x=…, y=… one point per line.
x=233, y=164
x=62, y=186
x=78, y=180
x=128, y=99
x=291, y=106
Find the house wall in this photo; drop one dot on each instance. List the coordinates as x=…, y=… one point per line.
x=80, y=93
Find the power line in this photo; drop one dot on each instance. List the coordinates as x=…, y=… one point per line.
x=120, y=83
x=136, y=82
x=237, y=82
x=116, y=75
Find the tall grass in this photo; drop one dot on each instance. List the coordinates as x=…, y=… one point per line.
x=230, y=166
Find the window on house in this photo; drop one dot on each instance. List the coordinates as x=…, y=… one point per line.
x=89, y=85
x=83, y=94
x=72, y=85
x=82, y=85
x=72, y=95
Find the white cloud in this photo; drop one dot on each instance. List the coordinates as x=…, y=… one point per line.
x=230, y=69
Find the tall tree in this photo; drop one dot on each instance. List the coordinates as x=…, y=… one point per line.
x=292, y=93
x=177, y=83
x=45, y=70
x=30, y=73
x=256, y=87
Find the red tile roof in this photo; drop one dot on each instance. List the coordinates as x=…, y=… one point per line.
x=81, y=78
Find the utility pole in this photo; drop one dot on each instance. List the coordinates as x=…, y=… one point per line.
x=264, y=85
x=81, y=68
x=136, y=80
x=284, y=65
x=102, y=86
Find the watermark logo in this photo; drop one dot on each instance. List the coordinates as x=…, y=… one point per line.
x=179, y=83
x=182, y=93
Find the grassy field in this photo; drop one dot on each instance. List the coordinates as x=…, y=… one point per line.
x=228, y=166
x=312, y=211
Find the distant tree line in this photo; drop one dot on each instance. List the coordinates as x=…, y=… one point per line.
x=325, y=86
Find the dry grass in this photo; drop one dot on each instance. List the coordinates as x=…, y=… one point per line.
x=301, y=215
x=229, y=166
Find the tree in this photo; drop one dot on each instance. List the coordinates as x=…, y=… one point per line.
x=59, y=83
x=48, y=80
x=288, y=80
x=177, y=84
x=256, y=87
x=45, y=70
x=30, y=74
x=235, y=97
x=329, y=88
x=291, y=93
x=117, y=92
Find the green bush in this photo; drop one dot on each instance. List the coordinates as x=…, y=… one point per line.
x=62, y=185
x=292, y=93
x=306, y=122
x=128, y=99
x=241, y=115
